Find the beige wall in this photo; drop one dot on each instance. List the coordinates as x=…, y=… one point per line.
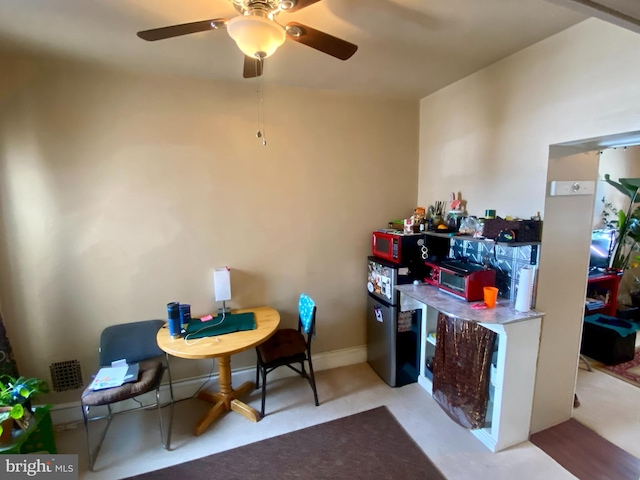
x=562, y=284
x=121, y=192
x=488, y=136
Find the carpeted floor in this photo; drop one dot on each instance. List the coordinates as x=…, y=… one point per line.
x=368, y=445
x=628, y=371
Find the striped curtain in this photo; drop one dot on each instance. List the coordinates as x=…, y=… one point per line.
x=7, y=362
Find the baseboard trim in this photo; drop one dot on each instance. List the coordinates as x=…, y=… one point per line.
x=69, y=414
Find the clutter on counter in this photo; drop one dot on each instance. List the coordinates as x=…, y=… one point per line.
x=450, y=216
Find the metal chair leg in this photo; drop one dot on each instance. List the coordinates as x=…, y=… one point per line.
x=312, y=381
x=586, y=362
x=85, y=417
x=264, y=388
x=258, y=372
x=167, y=444
x=93, y=454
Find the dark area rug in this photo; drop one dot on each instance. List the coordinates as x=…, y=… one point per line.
x=369, y=445
x=587, y=455
x=627, y=371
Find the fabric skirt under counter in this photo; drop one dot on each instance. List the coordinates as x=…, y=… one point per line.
x=461, y=370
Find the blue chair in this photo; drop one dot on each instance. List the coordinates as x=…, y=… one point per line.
x=136, y=343
x=288, y=347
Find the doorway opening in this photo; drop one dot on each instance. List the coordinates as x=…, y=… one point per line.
x=564, y=265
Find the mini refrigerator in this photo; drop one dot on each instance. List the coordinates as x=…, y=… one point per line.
x=393, y=337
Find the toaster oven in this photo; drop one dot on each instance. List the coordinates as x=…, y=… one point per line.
x=461, y=279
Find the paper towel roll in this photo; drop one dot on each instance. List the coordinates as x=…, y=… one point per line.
x=222, y=284
x=525, y=289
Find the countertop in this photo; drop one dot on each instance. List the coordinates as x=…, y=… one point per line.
x=503, y=313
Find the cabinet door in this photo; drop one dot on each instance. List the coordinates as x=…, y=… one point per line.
x=381, y=339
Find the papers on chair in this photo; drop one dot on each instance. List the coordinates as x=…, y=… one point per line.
x=132, y=370
x=115, y=375
x=132, y=373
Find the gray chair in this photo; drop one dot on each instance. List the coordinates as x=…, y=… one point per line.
x=135, y=342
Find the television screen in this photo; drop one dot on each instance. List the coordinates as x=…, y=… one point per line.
x=601, y=245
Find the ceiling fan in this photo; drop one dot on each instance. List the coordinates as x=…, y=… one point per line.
x=257, y=33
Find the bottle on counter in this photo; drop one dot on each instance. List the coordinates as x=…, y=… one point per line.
x=173, y=313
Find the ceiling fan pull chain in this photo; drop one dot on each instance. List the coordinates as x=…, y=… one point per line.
x=264, y=129
x=260, y=103
x=258, y=133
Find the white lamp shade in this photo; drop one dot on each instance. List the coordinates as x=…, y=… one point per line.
x=222, y=284
x=256, y=36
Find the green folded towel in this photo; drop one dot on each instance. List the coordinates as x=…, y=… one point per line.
x=233, y=322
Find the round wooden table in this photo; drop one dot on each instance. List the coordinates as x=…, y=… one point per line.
x=222, y=347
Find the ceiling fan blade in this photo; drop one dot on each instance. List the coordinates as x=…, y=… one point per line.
x=252, y=67
x=300, y=4
x=182, y=29
x=324, y=42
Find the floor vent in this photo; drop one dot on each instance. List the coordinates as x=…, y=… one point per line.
x=66, y=376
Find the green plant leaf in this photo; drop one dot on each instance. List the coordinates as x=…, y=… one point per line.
x=18, y=390
x=17, y=412
x=628, y=191
x=628, y=224
x=630, y=183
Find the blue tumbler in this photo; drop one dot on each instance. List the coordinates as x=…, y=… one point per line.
x=173, y=311
x=185, y=316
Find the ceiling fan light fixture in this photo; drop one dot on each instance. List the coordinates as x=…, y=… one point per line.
x=256, y=36
x=287, y=4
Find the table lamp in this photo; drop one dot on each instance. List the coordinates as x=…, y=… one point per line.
x=222, y=286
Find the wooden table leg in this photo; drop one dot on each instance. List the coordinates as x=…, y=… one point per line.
x=226, y=399
x=215, y=411
x=245, y=410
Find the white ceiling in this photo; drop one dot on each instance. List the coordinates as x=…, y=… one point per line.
x=407, y=48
